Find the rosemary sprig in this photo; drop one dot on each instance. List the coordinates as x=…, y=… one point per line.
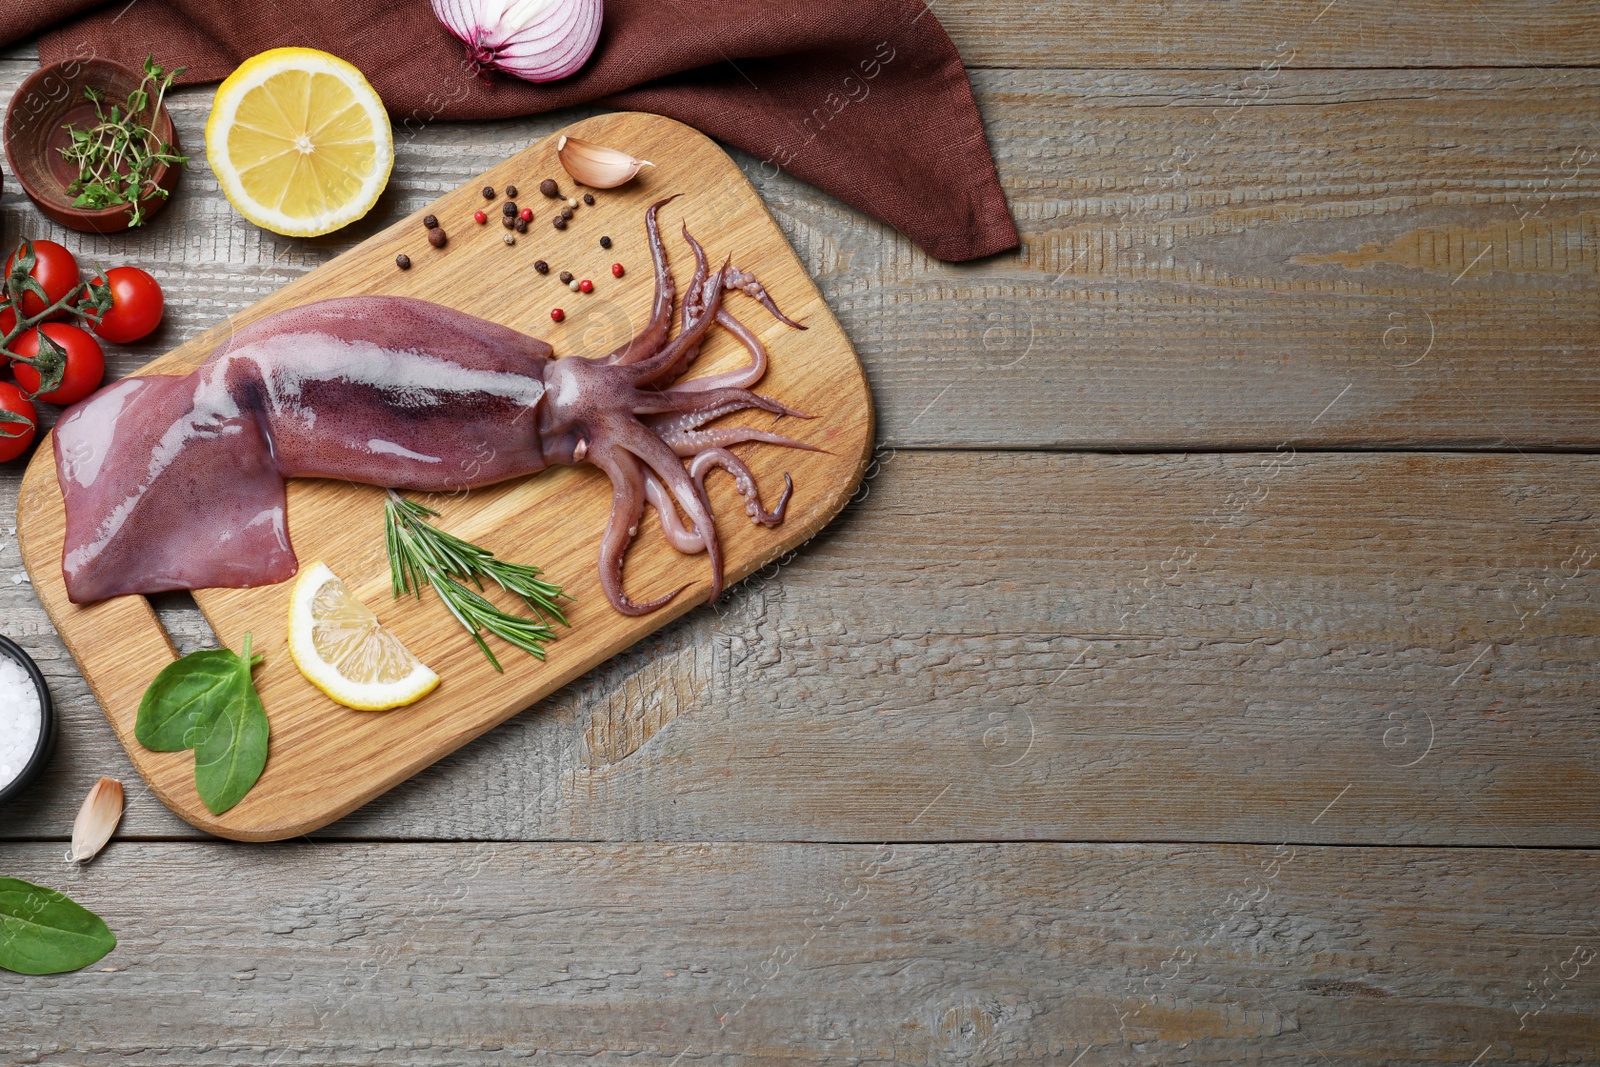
x=422, y=553
x=117, y=156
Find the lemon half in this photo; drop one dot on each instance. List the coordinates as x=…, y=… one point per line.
x=342, y=649
x=300, y=142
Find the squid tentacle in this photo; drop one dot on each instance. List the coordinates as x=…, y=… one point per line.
x=712, y=458
x=649, y=448
x=694, y=304
x=696, y=417
x=678, y=535
x=657, y=366
x=648, y=402
x=745, y=376
x=688, y=541
x=688, y=443
x=655, y=332
x=751, y=286
x=627, y=507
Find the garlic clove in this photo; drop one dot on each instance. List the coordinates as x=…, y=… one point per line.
x=596, y=165
x=97, y=819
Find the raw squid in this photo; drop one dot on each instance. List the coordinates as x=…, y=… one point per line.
x=177, y=481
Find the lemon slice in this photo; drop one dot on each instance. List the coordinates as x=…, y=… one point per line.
x=300, y=142
x=342, y=649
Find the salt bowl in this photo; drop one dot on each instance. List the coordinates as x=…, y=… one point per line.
x=27, y=721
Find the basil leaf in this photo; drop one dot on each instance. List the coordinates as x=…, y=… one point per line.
x=45, y=932
x=232, y=749
x=206, y=701
x=183, y=694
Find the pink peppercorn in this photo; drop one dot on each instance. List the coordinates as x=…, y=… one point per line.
x=526, y=214
x=617, y=271
x=586, y=286
x=557, y=314
x=479, y=217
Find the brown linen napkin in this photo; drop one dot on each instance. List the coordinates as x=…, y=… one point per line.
x=866, y=101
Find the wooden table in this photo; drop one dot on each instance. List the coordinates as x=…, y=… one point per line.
x=1205, y=675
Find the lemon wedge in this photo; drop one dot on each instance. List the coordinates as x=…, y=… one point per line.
x=342, y=649
x=300, y=142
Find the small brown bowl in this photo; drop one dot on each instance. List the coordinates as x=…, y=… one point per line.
x=45, y=102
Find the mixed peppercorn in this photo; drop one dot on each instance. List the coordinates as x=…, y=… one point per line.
x=515, y=217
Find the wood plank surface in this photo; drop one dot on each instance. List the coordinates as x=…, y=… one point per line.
x=1243, y=34
x=1083, y=647
x=1426, y=238
x=1259, y=226
x=460, y=955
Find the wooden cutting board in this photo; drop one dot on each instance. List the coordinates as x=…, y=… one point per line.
x=326, y=760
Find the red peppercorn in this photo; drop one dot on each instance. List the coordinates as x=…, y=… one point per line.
x=586, y=286
x=526, y=214
x=617, y=271
x=557, y=314
x=479, y=217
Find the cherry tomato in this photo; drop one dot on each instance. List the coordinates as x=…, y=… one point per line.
x=136, y=306
x=13, y=401
x=86, y=364
x=54, y=269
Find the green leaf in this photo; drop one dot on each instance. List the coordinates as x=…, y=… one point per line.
x=45, y=932
x=184, y=694
x=232, y=750
x=206, y=701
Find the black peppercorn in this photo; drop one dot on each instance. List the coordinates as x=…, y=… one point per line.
x=511, y=191
x=403, y=261
x=541, y=266
x=565, y=276
x=429, y=222
x=566, y=212
x=605, y=242
x=510, y=208
x=549, y=188
x=488, y=192
x=522, y=225
x=436, y=237
x=588, y=198
x=508, y=221
x=559, y=223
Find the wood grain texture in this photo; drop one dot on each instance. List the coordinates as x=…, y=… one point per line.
x=1208, y=259
x=457, y=956
x=1251, y=256
x=326, y=760
x=1176, y=34
x=1023, y=646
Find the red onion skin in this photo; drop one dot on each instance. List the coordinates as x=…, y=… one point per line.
x=554, y=45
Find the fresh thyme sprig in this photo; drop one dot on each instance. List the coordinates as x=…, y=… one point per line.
x=117, y=157
x=420, y=552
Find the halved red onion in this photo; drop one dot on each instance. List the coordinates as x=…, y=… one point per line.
x=536, y=40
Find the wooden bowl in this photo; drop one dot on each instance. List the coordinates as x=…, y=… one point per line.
x=45, y=102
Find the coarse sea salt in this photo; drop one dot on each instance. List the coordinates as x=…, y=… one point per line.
x=20, y=719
